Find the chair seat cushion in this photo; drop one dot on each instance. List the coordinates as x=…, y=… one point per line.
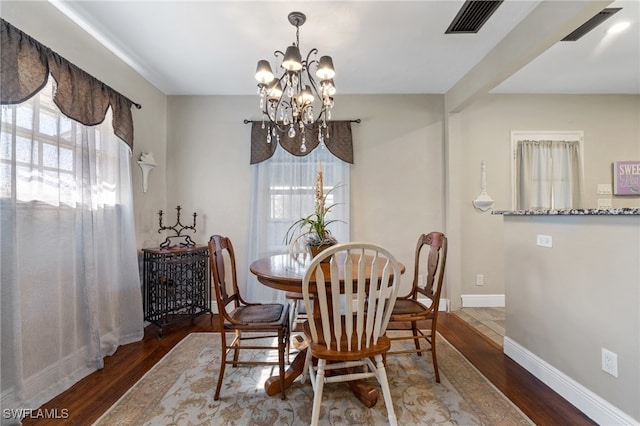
x=408, y=307
x=268, y=313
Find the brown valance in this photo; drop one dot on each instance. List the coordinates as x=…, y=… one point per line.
x=25, y=68
x=338, y=141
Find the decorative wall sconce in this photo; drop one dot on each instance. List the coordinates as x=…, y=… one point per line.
x=146, y=163
x=483, y=201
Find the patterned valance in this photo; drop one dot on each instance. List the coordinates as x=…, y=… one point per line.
x=25, y=68
x=338, y=141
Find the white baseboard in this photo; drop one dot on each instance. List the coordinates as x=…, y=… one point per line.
x=595, y=407
x=442, y=307
x=483, y=300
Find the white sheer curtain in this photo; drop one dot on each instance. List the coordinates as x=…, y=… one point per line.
x=70, y=280
x=549, y=174
x=282, y=192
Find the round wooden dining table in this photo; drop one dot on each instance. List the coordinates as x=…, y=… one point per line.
x=285, y=272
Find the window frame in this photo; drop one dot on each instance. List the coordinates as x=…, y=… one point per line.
x=64, y=143
x=540, y=135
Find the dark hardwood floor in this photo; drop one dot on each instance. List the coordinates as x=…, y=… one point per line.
x=92, y=396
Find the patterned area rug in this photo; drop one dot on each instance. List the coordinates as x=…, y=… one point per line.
x=179, y=391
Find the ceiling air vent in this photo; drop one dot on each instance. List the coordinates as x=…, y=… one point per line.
x=472, y=16
x=602, y=16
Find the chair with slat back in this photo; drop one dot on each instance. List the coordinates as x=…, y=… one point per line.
x=298, y=251
x=262, y=321
x=351, y=335
x=410, y=309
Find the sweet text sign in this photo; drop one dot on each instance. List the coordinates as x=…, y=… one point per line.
x=626, y=178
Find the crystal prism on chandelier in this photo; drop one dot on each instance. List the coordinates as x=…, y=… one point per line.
x=294, y=102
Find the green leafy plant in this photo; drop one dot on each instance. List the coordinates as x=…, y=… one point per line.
x=314, y=227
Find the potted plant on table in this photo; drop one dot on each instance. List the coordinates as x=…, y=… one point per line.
x=313, y=229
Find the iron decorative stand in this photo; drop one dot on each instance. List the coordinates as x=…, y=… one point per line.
x=176, y=277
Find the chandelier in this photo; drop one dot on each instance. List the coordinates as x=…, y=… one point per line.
x=294, y=102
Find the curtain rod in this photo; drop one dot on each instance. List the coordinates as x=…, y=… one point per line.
x=357, y=120
x=135, y=104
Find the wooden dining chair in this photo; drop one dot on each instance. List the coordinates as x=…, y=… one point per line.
x=237, y=316
x=349, y=336
x=299, y=252
x=427, y=286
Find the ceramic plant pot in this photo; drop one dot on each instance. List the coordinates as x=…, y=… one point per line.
x=315, y=250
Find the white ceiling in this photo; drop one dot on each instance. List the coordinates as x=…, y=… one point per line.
x=211, y=47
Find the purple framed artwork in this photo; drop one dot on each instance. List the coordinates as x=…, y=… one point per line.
x=626, y=178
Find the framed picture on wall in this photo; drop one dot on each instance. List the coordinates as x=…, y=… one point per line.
x=626, y=178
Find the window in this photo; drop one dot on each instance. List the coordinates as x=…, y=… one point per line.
x=546, y=170
x=292, y=193
x=40, y=153
x=283, y=192
x=70, y=280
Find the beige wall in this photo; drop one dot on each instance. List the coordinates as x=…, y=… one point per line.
x=71, y=42
x=396, y=182
x=567, y=302
x=563, y=304
x=611, y=126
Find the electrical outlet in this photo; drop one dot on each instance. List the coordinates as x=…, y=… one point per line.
x=479, y=279
x=605, y=203
x=544, y=240
x=609, y=362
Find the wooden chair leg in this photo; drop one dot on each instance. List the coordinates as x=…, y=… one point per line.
x=416, y=340
x=317, y=391
x=223, y=363
x=294, y=314
x=307, y=365
x=283, y=344
x=434, y=358
x=287, y=351
x=381, y=375
x=236, y=350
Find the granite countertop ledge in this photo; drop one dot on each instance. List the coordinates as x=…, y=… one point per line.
x=570, y=212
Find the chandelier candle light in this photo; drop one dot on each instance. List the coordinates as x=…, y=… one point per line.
x=287, y=102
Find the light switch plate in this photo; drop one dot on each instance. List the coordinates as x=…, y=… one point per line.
x=604, y=189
